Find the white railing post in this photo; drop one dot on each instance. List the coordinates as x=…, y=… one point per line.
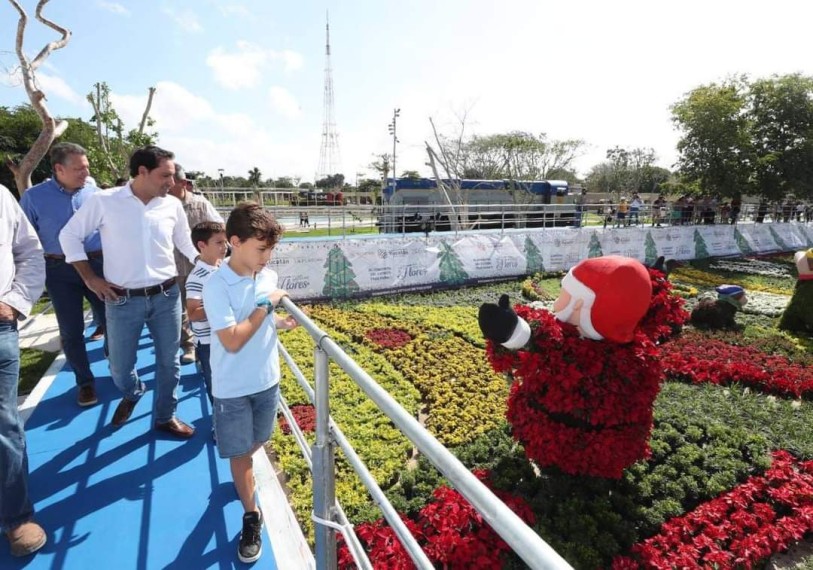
x=324, y=469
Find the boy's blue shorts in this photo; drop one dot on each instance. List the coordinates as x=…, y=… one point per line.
x=243, y=423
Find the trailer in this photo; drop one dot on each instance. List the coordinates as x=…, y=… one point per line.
x=419, y=204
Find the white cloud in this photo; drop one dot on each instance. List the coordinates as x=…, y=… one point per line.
x=185, y=19
x=234, y=10
x=174, y=108
x=204, y=138
x=238, y=69
x=113, y=7
x=243, y=67
x=284, y=103
x=54, y=86
x=11, y=77
x=292, y=60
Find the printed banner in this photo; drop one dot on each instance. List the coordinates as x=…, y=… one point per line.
x=311, y=269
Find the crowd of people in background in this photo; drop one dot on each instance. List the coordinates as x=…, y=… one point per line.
x=694, y=210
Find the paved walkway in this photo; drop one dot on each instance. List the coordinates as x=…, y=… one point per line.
x=133, y=497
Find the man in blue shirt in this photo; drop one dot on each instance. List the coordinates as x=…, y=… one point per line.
x=49, y=206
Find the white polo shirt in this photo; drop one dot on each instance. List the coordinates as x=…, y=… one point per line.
x=229, y=299
x=138, y=239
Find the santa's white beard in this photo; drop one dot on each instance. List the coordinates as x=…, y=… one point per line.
x=565, y=314
x=585, y=324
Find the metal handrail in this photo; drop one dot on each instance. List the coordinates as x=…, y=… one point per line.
x=521, y=538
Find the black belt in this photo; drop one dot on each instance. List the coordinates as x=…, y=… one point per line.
x=60, y=257
x=145, y=291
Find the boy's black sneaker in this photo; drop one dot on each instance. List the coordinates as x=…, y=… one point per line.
x=251, y=544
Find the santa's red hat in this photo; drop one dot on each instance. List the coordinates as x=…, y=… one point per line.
x=615, y=292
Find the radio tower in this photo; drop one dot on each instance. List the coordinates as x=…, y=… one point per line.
x=330, y=160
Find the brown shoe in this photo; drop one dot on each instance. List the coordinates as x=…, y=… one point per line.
x=86, y=396
x=188, y=356
x=123, y=412
x=98, y=334
x=177, y=428
x=26, y=539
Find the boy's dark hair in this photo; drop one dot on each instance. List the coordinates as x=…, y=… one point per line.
x=205, y=230
x=250, y=220
x=149, y=157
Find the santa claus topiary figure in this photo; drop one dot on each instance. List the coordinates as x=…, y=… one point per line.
x=585, y=377
x=798, y=315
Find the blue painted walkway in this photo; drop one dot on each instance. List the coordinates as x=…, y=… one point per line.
x=132, y=497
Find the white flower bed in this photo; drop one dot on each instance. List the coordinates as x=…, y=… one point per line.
x=768, y=304
x=753, y=267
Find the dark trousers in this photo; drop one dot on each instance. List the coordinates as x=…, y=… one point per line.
x=67, y=290
x=202, y=354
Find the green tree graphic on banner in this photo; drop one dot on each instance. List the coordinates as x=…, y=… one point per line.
x=594, y=247
x=339, y=278
x=700, y=251
x=451, y=269
x=533, y=257
x=742, y=243
x=651, y=250
x=780, y=243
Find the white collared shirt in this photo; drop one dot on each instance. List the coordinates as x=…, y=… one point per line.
x=22, y=267
x=137, y=238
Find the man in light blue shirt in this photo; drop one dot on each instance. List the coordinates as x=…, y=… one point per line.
x=49, y=206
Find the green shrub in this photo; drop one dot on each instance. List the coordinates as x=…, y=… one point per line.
x=798, y=315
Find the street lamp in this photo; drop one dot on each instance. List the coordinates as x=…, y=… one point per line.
x=393, y=128
x=222, y=186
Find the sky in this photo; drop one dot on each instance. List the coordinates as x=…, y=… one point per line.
x=240, y=83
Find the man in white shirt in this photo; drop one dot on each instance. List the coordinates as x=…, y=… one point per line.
x=22, y=278
x=140, y=226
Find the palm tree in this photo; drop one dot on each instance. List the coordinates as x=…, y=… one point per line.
x=255, y=177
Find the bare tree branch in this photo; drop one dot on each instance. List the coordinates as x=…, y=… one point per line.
x=96, y=103
x=51, y=128
x=146, y=114
x=55, y=45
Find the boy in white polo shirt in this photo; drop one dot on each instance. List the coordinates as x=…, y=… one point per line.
x=240, y=298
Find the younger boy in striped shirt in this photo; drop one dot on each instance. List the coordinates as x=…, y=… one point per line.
x=210, y=239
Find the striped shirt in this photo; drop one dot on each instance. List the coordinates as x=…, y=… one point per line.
x=194, y=290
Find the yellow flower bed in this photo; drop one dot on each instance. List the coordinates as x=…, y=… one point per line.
x=462, y=395
x=380, y=445
x=459, y=320
x=694, y=276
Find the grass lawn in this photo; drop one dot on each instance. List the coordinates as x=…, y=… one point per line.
x=333, y=231
x=33, y=364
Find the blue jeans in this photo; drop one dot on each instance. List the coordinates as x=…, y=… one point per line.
x=243, y=423
x=15, y=506
x=125, y=321
x=66, y=290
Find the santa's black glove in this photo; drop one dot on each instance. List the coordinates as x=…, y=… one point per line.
x=659, y=264
x=498, y=321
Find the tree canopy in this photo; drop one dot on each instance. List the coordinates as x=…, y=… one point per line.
x=748, y=137
x=627, y=170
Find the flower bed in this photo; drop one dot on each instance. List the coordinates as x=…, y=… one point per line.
x=713, y=433
x=698, y=358
x=738, y=529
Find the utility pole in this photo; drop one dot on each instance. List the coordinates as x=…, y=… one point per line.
x=393, y=128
